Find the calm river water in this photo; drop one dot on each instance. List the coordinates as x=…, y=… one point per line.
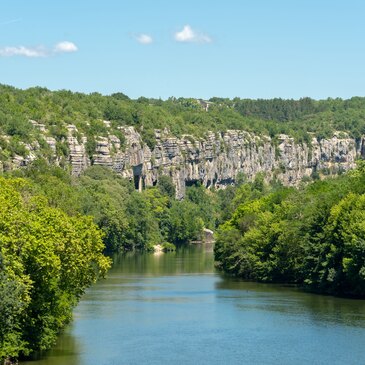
x=175, y=309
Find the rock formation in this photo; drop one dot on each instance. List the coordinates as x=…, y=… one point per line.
x=215, y=160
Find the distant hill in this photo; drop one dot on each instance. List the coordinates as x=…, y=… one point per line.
x=189, y=139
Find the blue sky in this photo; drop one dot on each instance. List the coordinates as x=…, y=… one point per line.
x=156, y=48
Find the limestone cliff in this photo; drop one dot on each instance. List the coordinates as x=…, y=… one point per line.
x=215, y=160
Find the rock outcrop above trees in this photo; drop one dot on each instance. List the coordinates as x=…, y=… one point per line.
x=217, y=160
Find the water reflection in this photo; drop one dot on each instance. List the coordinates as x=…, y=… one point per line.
x=292, y=301
x=174, y=308
x=66, y=351
x=187, y=260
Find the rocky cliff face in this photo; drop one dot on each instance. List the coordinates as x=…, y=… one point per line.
x=215, y=160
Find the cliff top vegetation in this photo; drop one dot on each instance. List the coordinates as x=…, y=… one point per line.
x=300, y=119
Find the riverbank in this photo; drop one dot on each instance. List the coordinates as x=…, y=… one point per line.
x=178, y=298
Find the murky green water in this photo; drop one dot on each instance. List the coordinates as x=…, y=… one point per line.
x=174, y=309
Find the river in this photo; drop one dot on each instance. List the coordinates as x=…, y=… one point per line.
x=175, y=309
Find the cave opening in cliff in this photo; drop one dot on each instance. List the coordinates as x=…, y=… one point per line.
x=215, y=179
x=136, y=179
x=223, y=183
x=189, y=183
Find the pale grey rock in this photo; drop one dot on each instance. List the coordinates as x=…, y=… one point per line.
x=51, y=143
x=215, y=160
x=78, y=156
x=107, y=123
x=37, y=125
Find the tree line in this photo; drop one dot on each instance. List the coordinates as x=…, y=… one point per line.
x=313, y=236
x=47, y=259
x=55, y=230
x=302, y=119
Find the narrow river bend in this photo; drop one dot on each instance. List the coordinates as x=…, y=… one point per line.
x=175, y=309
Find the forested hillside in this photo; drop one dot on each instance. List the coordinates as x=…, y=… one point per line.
x=313, y=236
x=56, y=109
x=55, y=223
x=54, y=229
x=130, y=220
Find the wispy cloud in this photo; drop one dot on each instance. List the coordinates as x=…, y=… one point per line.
x=38, y=51
x=143, y=38
x=23, y=51
x=187, y=34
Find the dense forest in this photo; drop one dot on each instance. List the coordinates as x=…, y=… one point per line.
x=313, y=236
x=301, y=118
x=47, y=259
x=55, y=228
x=130, y=220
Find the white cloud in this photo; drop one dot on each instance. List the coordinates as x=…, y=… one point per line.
x=187, y=34
x=23, y=51
x=65, y=47
x=39, y=51
x=144, y=38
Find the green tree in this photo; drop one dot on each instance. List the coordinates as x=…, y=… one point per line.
x=47, y=259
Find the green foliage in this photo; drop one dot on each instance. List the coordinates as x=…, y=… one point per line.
x=129, y=220
x=120, y=96
x=206, y=204
x=47, y=259
x=166, y=186
x=168, y=247
x=185, y=222
x=143, y=230
x=90, y=146
x=302, y=119
x=119, y=134
x=62, y=149
x=16, y=147
x=58, y=131
x=17, y=126
x=313, y=236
